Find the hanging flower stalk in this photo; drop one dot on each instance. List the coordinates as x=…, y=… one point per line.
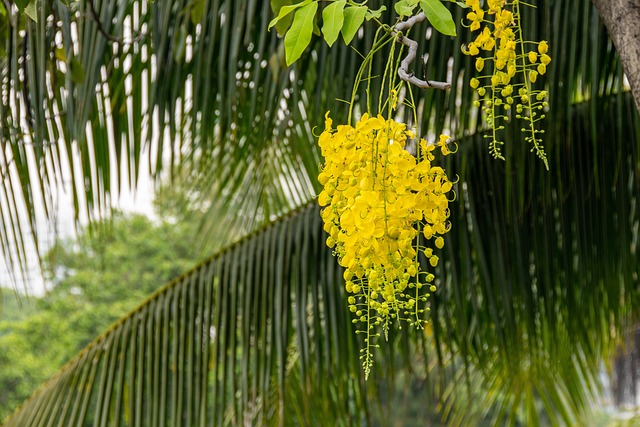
x=386, y=210
x=378, y=199
x=500, y=35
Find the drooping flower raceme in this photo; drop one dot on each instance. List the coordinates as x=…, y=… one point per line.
x=377, y=199
x=514, y=66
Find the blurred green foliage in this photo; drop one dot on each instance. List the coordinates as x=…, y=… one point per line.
x=94, y=280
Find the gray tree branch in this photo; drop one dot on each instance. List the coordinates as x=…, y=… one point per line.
x=403, y=70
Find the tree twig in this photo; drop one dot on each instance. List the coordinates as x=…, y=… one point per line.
x=96, y=18
x=403, y=70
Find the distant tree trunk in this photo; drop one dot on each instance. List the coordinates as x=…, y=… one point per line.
x=626, y=372
x=622, y=19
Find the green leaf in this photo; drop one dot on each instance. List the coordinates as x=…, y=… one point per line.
x=31, y=11
x=375, y=13
x=439, y=16
x=77, y=71
x=21, y=4
x=462, y=5
x=353, y=19
x=29, y=8
x=299, y=35
x=284, y=23
x=197, y=11
x=332, y=20
x=405, y=7
x=316, y=28
x=285, y=10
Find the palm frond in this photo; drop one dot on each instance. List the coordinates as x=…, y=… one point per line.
x=218, y=343
x=96, y=89
x=535, y=291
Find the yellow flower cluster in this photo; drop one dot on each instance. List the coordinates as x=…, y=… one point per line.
x=379, y=198
x=500, y=34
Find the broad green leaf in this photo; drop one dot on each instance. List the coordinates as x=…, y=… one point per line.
x=21, y=4
x=28, y=7
x=316, y=28
x=405, y=7
x=375, y=13
x=353, y=19
x=332, y=20
x=31, y=11
x=299, y=35
x=284, y=23
x=439, y=16
x=286, y=10
x=197, y=11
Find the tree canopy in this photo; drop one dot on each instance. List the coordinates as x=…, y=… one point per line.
x=96, y=279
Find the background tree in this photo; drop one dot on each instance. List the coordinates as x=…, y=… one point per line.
x=621, y=18
x=96, y=279
x=535, y=287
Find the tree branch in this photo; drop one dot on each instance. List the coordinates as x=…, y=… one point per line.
x=96, y=18
x=403, y=71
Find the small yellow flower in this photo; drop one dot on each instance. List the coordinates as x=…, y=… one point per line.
x=473, y=4
x=543, y=47
x=495, y=5
x=393, y=99
x=327, y=121
x=470, y=49
x=476, y=19
x=442, y=143
x=504, y=19
x=542, y=69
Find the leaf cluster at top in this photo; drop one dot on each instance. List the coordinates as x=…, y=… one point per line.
x=297, y=22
